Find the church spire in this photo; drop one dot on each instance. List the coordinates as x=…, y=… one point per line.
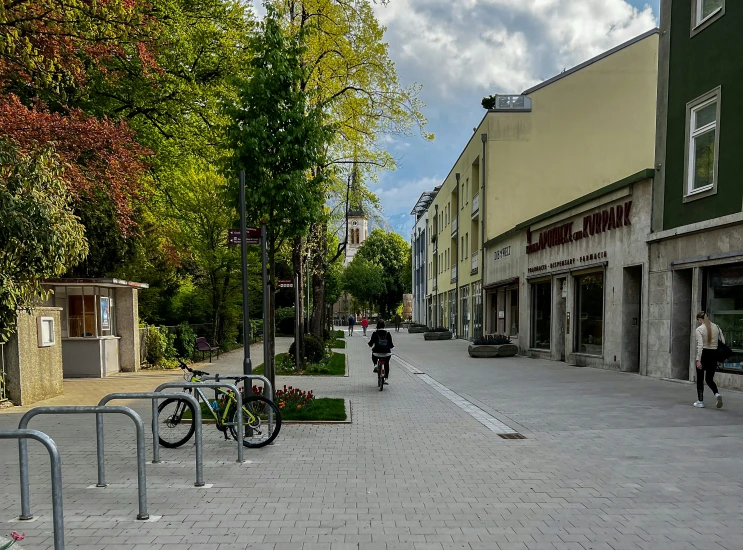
x=356, y=206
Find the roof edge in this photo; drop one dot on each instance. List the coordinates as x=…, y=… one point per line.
x=591, y=61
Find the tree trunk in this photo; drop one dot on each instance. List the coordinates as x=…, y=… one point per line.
x=297, y=249
x=269, y=331
x=319, y=233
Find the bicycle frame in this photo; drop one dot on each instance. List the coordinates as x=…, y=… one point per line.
x=222, y=422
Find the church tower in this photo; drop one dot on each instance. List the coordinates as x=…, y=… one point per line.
x=358, y=222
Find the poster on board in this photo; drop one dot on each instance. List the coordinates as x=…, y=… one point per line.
x=105, y=313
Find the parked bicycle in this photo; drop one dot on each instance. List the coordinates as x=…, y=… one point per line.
x=261, y=417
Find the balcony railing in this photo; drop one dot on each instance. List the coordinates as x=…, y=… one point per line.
x=454, y=226
x=474, y=262
x=475, y=205
x=454, y=274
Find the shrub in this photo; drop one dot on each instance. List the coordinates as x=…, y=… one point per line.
x=160, y=345
x=314, y=350
x=492, y=340
x=438, y=329
x=185, y=341
x=340, y=334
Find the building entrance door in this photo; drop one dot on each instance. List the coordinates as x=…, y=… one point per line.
x=561, y=329
x=631, y=311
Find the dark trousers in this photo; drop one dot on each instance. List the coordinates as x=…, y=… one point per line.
x=386, y=360
x=709, y=366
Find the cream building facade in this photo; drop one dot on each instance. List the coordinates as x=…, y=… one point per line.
x=578, y=132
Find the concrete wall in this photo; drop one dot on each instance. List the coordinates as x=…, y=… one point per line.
x=34, y=373
x=127, y=324
x=589, y=129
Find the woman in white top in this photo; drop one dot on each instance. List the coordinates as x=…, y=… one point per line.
x=708, y=335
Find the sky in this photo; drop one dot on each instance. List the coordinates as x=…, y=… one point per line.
x=463, y=50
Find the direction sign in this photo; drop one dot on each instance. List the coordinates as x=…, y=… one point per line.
x=253, y=236
x=285, y=283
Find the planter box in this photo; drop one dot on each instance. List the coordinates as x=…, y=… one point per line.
x=417, y=330
x=503, y=350
x=437, y=335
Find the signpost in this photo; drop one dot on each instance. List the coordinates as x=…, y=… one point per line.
x=253, y=236
x=285, y=283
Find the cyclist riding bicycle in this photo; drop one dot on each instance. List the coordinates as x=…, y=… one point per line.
x=381, y=344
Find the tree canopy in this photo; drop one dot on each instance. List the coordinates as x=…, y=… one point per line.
x=390, y=252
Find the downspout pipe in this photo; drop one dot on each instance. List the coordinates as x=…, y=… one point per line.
x=438, y=267
x=483, y=227
x=459, y=255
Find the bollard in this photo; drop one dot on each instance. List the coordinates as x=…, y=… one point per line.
x=216, y=385
x=141, y=471
x=155, y=397
x=245, y=379
x=56, y=466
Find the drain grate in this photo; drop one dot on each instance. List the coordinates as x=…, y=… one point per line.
x=511, y=436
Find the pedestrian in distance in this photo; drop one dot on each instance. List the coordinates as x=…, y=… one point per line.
x=364, y=324
x=397, y=322
x=708, y=337
x=351, y=323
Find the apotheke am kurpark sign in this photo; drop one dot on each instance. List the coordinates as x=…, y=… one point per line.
x=599, y=222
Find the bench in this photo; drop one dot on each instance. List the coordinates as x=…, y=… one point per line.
x=203, y=346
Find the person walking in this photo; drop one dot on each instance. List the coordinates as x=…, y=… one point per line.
x=397, y=322
x=364, y=324
x=708, y=336
x=351, y=323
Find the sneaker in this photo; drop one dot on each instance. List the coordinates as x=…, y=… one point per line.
x=385, y=381
x=376, y=369
x=699, y=404
x=719, y=400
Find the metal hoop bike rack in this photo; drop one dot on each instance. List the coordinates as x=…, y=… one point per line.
x=216, y=385
x=141, y=471
x=56, y=466
x=155, y=397
x=242, y=378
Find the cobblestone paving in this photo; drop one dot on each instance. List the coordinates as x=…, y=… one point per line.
x=611, y=462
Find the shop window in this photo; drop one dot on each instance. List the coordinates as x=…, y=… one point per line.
x=477, y=309
x=81, y=316
x=512, y=299
x=725, y=308
x=590, y=307
x=464, y=293
x=703, y=139
x=541, y=315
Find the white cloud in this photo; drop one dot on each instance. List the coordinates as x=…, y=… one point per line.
x=501, y=46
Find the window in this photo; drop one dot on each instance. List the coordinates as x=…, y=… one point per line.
x=512, y=302
x=590, y=295
x=703, y=138
x=466, y=243
x=464, y=293
x=541, y=315
x=725, y=308
x=45, y=331
x=705, y=12
x=476, y=302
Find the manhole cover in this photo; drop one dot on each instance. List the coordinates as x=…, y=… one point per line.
x=511, y=436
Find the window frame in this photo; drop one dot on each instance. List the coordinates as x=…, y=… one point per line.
x=698, y=24
x=691, y=108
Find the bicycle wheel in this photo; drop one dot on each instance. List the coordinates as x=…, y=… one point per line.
x=175, y=420
x=256, y=429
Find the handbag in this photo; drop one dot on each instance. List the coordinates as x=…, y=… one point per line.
x=723, y=350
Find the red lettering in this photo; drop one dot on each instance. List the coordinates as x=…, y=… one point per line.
x=604, y=220
x=620, y=213
x=627, y=207
x=612, y=220
x=586, y=224
x=597, y=223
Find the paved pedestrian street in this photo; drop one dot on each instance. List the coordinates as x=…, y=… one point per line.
x=610, y=461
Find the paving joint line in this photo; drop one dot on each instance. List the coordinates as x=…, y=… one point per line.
x=484, y=418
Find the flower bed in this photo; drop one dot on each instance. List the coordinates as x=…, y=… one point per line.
x=493, y=345
x=417, y=328
x=333, y=364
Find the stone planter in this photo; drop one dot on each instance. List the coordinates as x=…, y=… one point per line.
x=437, y=335
x=417, y=330
x=502, y=350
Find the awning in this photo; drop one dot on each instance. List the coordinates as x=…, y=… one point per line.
x=504, y=282
x=106, y=283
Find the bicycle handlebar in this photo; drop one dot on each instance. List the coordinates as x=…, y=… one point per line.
x=193, y=371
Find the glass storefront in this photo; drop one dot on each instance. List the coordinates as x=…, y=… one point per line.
x=464, y=294
x=590, y=308
x=725, y=308
x=541, y=315
x=453, y=312
x=512, y=302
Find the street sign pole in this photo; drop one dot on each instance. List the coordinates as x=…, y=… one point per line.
x=247, y=365
x=267, y=370
x=297, y=320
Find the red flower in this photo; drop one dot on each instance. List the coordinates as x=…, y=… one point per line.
x=18, y=536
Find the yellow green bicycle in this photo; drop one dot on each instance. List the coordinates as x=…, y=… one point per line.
x=261, y=417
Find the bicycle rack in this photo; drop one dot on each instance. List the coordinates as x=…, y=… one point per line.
x=243, y=377
x=141, y=472
x=216, y=385
x=56, y=464
x=155, y=397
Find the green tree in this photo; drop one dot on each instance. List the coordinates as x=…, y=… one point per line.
x=364, y=280
x=39, y=235
x=278, y=139
x=391, y=252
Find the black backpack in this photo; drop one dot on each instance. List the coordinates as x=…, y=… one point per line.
x=383, y=341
